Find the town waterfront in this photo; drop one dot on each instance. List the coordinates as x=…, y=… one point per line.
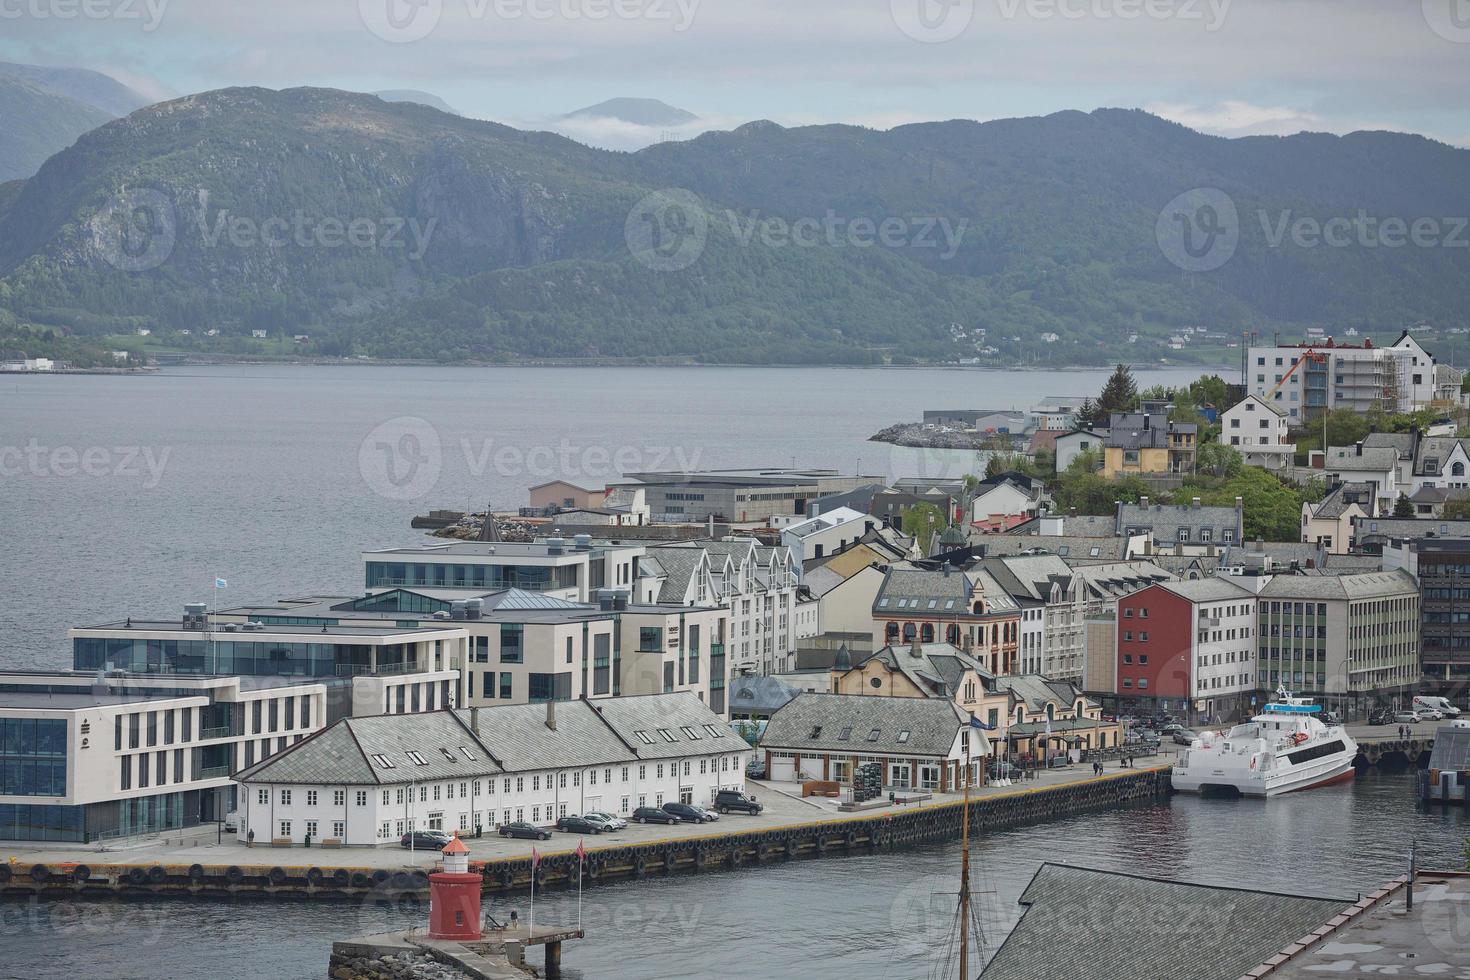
x=881, y=915
x=255, y=474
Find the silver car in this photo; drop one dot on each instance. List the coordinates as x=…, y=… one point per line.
x=607, y=819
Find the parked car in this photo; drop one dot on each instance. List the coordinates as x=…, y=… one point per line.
x=689, y=813
x=573, y=824
x=1183, y=736
x=727, y=800
x=1144, y=735
x=609, y=820
x=1382, y=716
x=755, y=770
x=232, y=822
x=1170, y=729
x=1429, y=714
x=424, y=840
x=524, y=831
x=1423, y=702
x=652, y=814
x=998, y=770
x=1406, y=717
x=1330, y=718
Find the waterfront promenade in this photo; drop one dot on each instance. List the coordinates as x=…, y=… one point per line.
x=784, y=810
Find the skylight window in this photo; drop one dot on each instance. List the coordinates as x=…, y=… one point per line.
x=691, y=733
x=816, y=732
x=873, y=735
x=418, y=760
x=668, y=735
x=643, y=737
x=448, y=754
x=714, y=732
x=903, y=736
x=466, y=753
x=845, y=734
x=383, y=761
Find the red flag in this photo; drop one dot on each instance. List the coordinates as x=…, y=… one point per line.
x=535, y=859
x=581, y=851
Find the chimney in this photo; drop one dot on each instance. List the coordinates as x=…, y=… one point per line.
x=1239, y=503
x=1358, y=448
x=551, y=715
x=916, y=649
x=475, y=721
x=1194, y=502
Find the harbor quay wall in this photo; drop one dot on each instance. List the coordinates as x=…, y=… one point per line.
x=826, y=836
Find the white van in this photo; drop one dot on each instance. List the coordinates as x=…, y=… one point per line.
x=1442, y=705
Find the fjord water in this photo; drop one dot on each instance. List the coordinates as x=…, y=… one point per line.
x=262, y=483
x=130, y=495
x=884, y=915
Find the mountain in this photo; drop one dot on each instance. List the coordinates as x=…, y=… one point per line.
x=90, y=88
x=416, y=97
x=392, y=230
x=43, y=110
x=637, y=112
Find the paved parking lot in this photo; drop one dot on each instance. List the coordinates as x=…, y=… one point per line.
x=783, y=807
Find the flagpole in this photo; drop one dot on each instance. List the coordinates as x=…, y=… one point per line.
x=581, y=860
x=535, y=860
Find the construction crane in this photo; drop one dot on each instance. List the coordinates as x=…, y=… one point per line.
x=1307, y=354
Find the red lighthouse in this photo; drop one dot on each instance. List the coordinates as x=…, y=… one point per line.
x=454, y=896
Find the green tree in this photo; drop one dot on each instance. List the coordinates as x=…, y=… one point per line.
x=1402, y=507
x=1120, y=394
x=1345, y=427
x=1213, y=390
x=1457, y=510
x=921, y=521
x=1090, y=415
x=1218, y=460
x=1273, y=510
x=1313, y=490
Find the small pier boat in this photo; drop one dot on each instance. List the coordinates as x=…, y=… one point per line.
x=1447, y=780
x=1284, y=748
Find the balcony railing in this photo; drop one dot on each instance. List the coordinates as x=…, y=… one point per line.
x=221, y=732
x=383, y=670
x=214, y=772
x=717, y=649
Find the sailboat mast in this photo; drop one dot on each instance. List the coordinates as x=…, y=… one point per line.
x=965, y=869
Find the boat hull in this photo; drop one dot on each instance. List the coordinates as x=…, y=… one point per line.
x=1203, y=777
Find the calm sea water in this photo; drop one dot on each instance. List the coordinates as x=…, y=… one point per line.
x=129, y=495
x=874, y=916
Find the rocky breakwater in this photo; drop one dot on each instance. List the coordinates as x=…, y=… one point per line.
x=404, y=965
x=928, y=435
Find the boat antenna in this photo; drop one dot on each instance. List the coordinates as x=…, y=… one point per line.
x=964, y=915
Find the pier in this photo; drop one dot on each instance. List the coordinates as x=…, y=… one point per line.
x=790, y=828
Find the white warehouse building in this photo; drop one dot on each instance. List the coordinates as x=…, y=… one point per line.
x=367, y=781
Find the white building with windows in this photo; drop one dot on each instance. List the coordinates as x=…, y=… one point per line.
x=367, y=781
x=827, y=534
x=1257, y=430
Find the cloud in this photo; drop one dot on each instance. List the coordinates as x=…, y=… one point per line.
x=1234, y=118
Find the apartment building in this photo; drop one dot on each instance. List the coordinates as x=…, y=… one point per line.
x=1441, y=566
x=366, y=782
x=573, y=570
x=738, y=495
x=1258, y=430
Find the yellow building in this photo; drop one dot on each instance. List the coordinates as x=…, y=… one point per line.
x=1138, y=444
x=929, y=670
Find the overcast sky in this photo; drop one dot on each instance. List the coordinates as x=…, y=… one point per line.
x=1224, y=66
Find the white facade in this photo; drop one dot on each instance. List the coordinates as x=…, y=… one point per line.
x=1258, y=430
x=462, y=770
x=826, y=535
x=1224, y=649
x=1073, y=444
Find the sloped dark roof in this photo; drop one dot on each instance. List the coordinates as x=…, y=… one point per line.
x=1105, y=925
x=816, y=722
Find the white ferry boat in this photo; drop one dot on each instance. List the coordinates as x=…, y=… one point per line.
x=1284, y=748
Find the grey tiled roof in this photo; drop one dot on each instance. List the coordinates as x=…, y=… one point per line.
x=759, y=694
x=1213, y=589
x=1103, y=925
x=1400, y=442
x=1342, y=497
x=1410, y=527
x=923, y=586
x=1035, y=690
x=1064, y=546
x=1163, y=521
x=937, y=668
x=1362, y=585
x=1373, y=460
x=510, y=738
x=815, y=722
